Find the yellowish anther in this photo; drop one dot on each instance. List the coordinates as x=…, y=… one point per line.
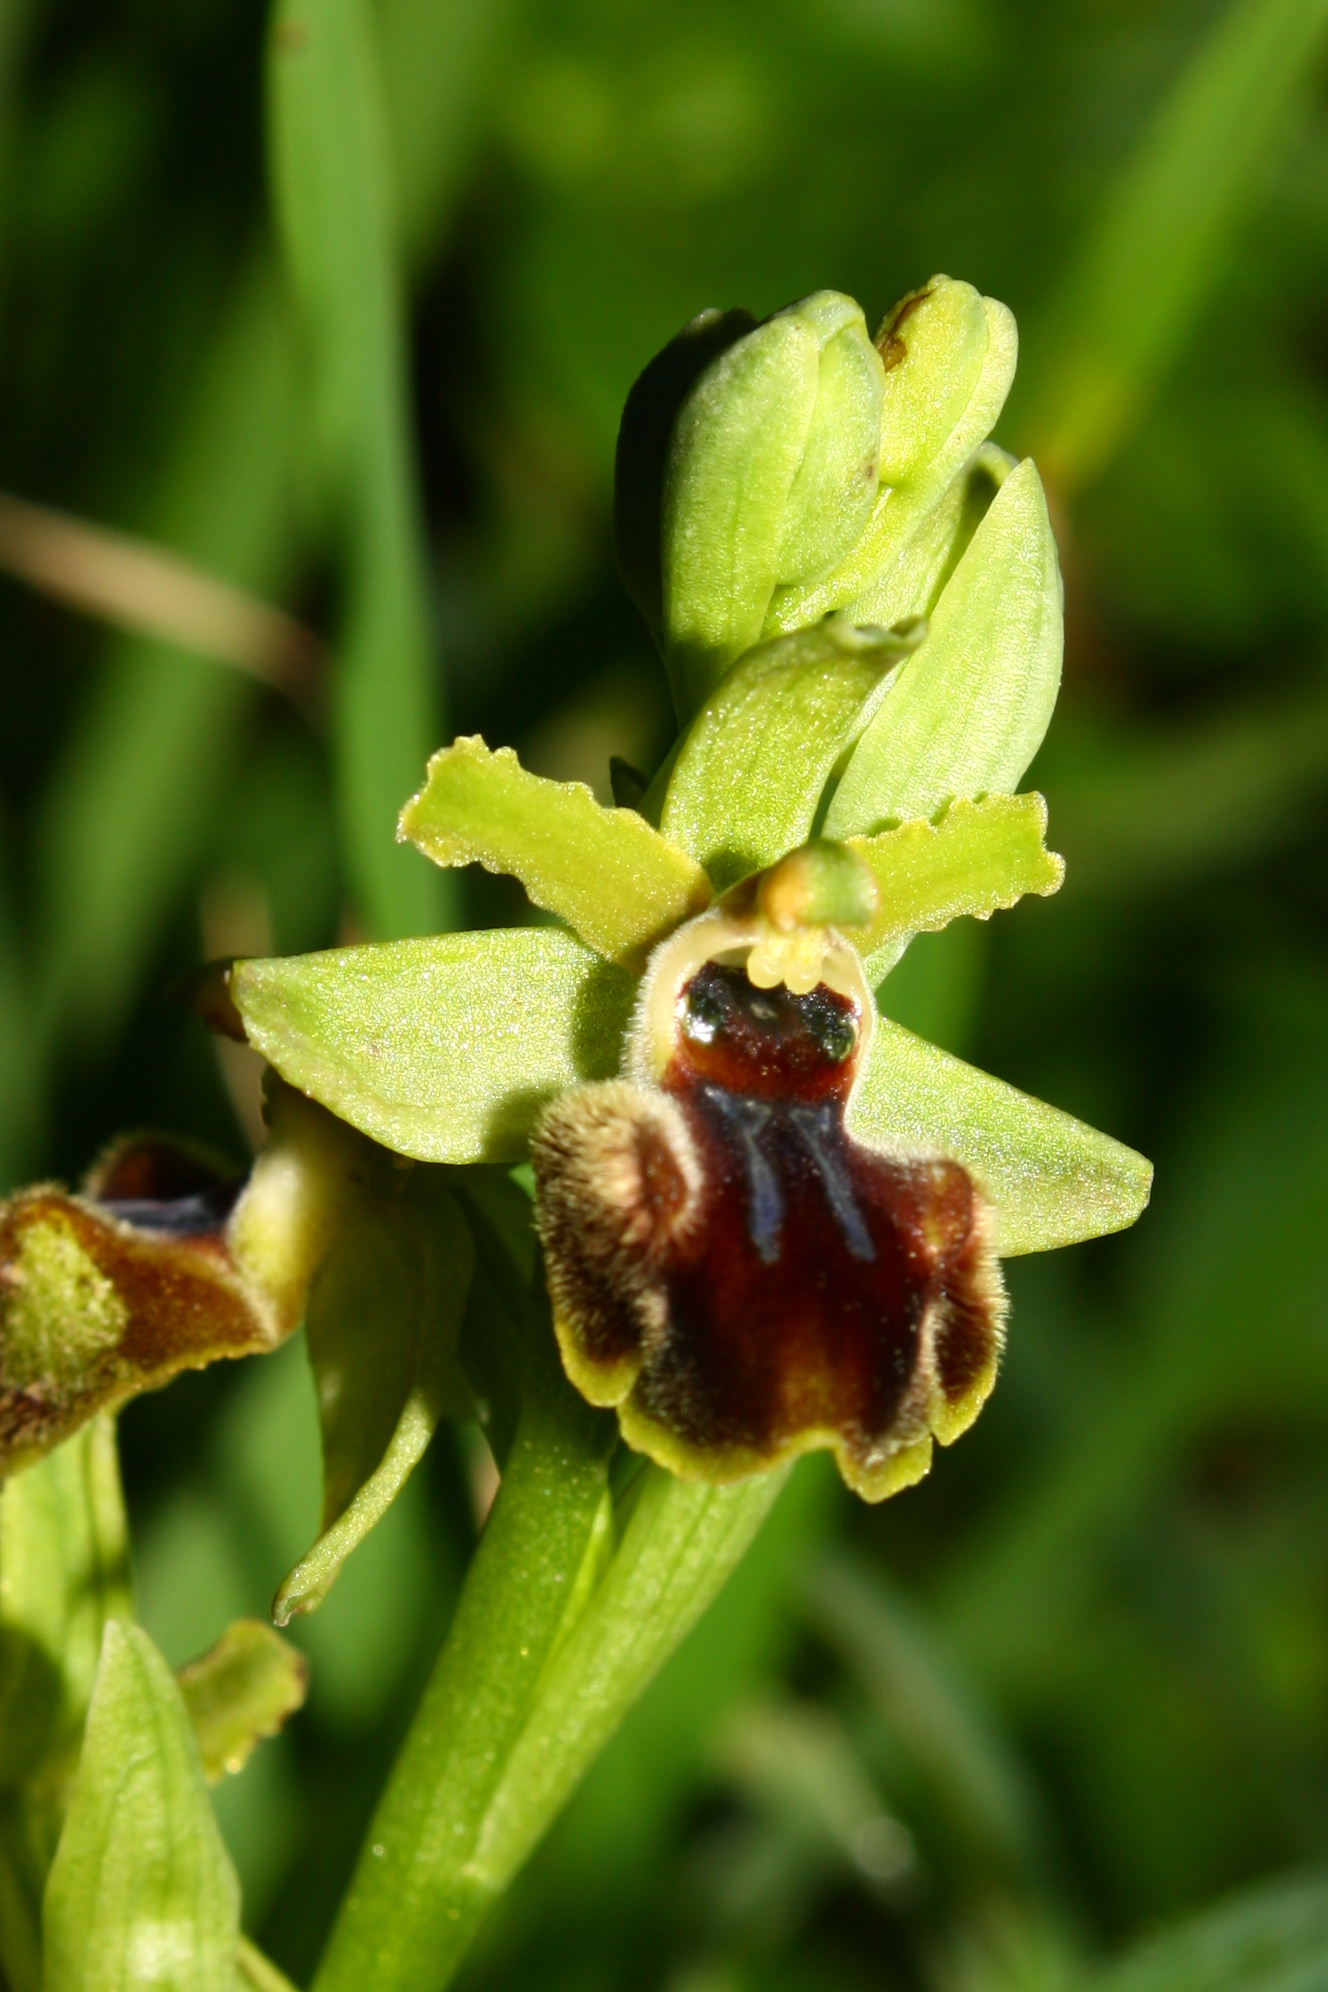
x=794, y=959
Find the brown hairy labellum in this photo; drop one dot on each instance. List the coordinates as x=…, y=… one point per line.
x=742, y=1278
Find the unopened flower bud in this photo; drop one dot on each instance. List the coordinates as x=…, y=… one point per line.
x=766, y=478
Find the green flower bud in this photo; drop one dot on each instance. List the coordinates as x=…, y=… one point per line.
x=948, y=356
x=756, y=451
x=769, y=475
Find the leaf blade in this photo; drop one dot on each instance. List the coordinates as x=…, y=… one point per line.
x=142, y=1891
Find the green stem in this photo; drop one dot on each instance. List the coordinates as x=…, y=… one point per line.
x=526, y=1693
x=416, y=1899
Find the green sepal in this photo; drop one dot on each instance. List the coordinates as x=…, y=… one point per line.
x=383, y=1324
x=142, y=1891
x=1050, y=1179
x=240, y=1692
x=645, y=437
x=753, y=766
x=614, y=879
x=976, y=859
x=949, y=356
x=445, y=1048
x=968, y=712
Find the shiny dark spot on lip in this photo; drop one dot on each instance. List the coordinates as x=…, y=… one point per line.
x=765, y=1041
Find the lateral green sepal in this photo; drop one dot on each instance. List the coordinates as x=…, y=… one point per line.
x=613, y=878
x=445, y=1048
x=1050, y=1179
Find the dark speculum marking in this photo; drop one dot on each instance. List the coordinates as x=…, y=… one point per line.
x=796, y=1297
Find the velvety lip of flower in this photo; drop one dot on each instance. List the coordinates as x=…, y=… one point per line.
x=732, y=1269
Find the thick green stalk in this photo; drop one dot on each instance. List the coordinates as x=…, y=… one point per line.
x=416, y=1898
x=545, y=1657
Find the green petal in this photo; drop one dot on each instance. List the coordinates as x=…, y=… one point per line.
x=1050, y=1179
x=403, y=1260
x=142, y=1891
x=977, y=859
x=444, y=1048
x=605, y=871
x=968, y=713
x=241, y=1691
x=755, y=761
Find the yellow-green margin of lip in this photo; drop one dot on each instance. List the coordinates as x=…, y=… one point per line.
x=902, y=1466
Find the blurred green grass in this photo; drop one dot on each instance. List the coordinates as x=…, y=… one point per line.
x=1076, y=1685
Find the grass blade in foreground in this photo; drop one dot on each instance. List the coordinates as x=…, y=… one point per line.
x=1142, y=280
x=330, y=167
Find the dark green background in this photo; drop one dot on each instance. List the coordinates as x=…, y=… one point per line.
x=1077, y=1682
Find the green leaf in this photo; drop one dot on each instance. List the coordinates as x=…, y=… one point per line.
x=63, y=1572
x=612, y=877
x=1271, y=1939
x=755, y=761
x=383, y=1321
x=976, y=859
x=1050, y=1179
x=446, y=1048
x=1170, y=226
x=968, y=712
x=329, y=151
x=142, y=1892
x=240, y=1692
